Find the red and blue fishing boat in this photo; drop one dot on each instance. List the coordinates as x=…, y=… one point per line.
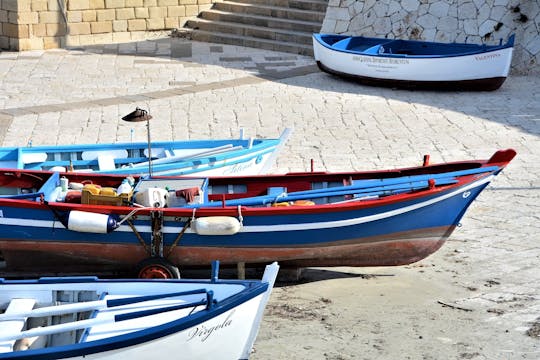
x=74, y=221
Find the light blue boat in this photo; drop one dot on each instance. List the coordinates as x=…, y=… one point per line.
x=224, y=157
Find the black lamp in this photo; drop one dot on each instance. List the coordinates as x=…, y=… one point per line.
x=137, y=116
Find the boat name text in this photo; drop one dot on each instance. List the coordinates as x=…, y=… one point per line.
x=238, y=168
x=487, y=56
x=379, y=60
x=202, y=332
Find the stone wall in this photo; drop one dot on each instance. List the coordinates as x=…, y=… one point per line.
x=472, y=21
x=46, y=24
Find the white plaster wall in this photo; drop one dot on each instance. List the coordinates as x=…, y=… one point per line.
x=472, y=21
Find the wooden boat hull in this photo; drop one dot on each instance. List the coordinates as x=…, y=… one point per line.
x=390, y=230
x=192, y=326
x=232, y=157
x=477, y=68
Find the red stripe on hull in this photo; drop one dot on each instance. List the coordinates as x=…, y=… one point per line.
x=397, y=249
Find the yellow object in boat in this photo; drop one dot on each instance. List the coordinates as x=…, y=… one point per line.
x=303, y=203
x=92, y=188
x=109, y=191
x=280, y=204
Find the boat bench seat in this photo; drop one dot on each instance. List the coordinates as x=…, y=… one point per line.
x=107, y=329
x=14, y=326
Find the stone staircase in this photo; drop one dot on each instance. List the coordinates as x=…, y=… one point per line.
x=279, y=25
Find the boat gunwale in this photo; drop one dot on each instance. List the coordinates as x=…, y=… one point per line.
x=484, y=49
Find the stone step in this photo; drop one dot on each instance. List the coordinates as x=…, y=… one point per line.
x=259, y=32
x=265, y=21
x=248, y=41
x=272, y=11
x=312, y=5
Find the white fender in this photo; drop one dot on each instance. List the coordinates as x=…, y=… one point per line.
x=91, y=222
x=216, y=225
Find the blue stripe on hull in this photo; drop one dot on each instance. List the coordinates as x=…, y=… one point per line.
x=263, y=231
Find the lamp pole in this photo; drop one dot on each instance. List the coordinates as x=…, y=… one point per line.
x=137, y=116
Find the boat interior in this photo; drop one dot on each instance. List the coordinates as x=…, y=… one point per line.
x=374, y=46
x=55, y=315
x=178, y=192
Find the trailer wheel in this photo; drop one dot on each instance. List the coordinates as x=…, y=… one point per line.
x=157, y=268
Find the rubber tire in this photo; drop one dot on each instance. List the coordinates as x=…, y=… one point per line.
x=157, y=268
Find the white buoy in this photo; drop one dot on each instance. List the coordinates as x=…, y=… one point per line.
x=83, y=221
x=216, y=225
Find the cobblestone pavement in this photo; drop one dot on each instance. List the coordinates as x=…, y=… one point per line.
x=198, y=90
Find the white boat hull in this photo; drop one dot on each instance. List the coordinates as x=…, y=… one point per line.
x=384, y=68
x=217, y=338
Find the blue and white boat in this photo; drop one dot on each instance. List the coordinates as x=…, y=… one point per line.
x=413, y=63
x=377, y=218
x=90, y=318
x=243, y=156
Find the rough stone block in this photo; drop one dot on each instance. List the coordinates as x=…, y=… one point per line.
x=74, y=16
x=157, y=12
x=114, y=4
x=79, y=28
x=9, y=5
x=172, y=23
x=3, y=16
x=4, y=42
x=97, y=4
x=155, y=24
x=486, y=27
x=39, y=30
x=102, y=38
x=53, y=42
x=167, y=2
x=125, y=14
x=470, y=27
x=382, y=26
x=427, y=21
x=120, y=25
x=467, y=11
x=52, y=5
x=16, y=31
x=410, y=5
x=149, y=3
x=47, y=17
x=27, y=17
x=78, y=4
x=89, y=15
x=176, y=11
x=121, y=37
x=100, y=27
x=136, y=25
x=447, y=24
x=439, y=9
x=141, y=13
x=56, y=29
x=39, y=5
x=24, y=5
x=192, y=10
x=134, y=3
x=341, y=26
x=106, y=15
x=30, y=44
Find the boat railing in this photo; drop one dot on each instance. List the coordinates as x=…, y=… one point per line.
x=360, y=189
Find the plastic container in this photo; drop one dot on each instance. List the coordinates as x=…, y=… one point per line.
x=124, y=188
x=152, y=197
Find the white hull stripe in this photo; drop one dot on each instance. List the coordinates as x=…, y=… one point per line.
x=280, y=227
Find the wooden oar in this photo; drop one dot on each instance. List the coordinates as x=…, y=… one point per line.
x=105, y=319
x=358, y=186
x=93, y=305
x=361, y=184
x=207, y=152
x=335, y=191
